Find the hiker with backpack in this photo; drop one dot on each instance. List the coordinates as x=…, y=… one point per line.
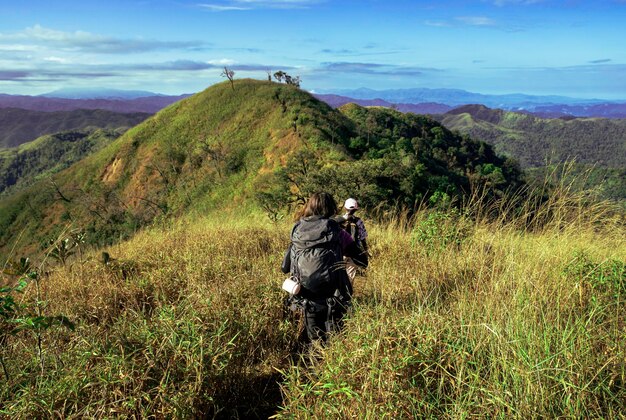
x=356, y=228
x=314, y=259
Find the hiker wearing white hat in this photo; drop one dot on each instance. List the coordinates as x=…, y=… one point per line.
x=356, y=228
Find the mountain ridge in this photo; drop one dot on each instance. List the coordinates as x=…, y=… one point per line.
x=534, y=141
x=231, y=145
x=99, y=93
x=149, y=104
x=23, y=125
x=550, y=106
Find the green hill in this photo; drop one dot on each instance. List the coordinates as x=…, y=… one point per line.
x=256, y=142
x=39, y=159
x=22, y=125
x=535, y=141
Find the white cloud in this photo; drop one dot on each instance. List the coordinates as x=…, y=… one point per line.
x=218, y=8
x=476, y=20
x=222, y=62
x=53, y=59
x=501, y=3
x=437, y=23
x=39, y=37
x=235, y=5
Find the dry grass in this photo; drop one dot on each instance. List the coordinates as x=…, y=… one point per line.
x=505, y=322
x=457, y=317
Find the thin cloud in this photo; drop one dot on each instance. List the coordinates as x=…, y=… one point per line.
x=601, y=61
x=190, y=65
x=178, y=65
x=219, y=8
x=352, y=67
x=37, y=36
x=437, y=23
x=369, y=51
x=259, y=67
x=598, y=68
x=341, y=51
x=476, y=20
x=375, y=69
x=239, y=5
x=129, y=70
x=36, y=75
x=501, y=3
x=13, y=75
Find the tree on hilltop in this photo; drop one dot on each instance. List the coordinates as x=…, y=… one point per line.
x=230, y=75
x=290, y=80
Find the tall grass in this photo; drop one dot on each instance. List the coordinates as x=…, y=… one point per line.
x=516, y=316
x=457, y=316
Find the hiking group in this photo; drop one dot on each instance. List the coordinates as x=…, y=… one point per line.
x=322, y=259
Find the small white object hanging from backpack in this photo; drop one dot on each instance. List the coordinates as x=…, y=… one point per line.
x=291, y=286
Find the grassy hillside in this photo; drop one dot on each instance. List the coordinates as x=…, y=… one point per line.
x=455, y=318
x=254, y=143
x=535, y=141
x=22, y=125
x=39, y=159
x=200, y=153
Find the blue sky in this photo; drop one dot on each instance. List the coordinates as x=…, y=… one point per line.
x=546, y=47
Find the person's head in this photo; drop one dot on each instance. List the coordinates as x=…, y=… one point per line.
x=351, y=205
x=320, y=204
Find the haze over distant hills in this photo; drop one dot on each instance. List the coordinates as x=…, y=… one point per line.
x=150, y=104
x=422, y=108
x=98, y=93
x=416, y=100
x=546, y=106
x=18, y=126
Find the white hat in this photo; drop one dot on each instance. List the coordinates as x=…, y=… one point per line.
x=351, y=204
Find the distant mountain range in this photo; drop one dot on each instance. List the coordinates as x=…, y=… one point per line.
x=544, y=106
x=95, y=93
x=422, y=108
x=149, y=104
x=18, y=126
x=419, y=101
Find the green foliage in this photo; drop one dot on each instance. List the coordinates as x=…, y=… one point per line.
x=608, y=183
x=397, y=161
x=21, y=125
x=439, y=231
x=536, y=141
x=271, y=197
x=606, y=281
x=16, y=316
x=21, y=166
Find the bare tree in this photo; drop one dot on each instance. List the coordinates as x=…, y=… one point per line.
x=230, y=75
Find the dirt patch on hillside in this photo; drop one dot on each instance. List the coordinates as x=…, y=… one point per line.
x=283, y=143
x=145, y=179
x=113, y=171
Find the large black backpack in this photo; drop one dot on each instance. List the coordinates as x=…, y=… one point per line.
x=317, y=260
